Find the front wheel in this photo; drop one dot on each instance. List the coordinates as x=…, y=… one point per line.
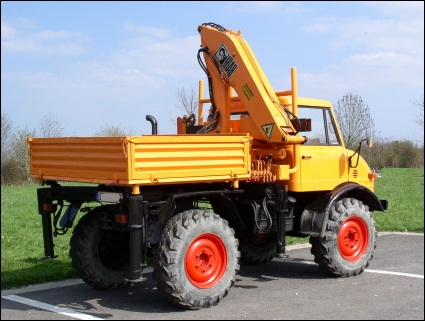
x=196, y=261
x=349, y=242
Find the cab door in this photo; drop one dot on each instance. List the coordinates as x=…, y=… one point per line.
x=323, y=158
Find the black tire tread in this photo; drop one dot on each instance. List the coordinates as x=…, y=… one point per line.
x=166, y=269
x=251, y=254
x=325, y=250
x=84, y=260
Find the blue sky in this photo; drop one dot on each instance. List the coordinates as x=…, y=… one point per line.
x=92, y=64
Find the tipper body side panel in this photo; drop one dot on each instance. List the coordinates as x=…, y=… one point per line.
x=141, y=160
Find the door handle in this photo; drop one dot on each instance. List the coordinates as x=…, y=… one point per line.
x=306, y=157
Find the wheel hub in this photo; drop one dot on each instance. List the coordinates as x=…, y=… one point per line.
x=353, y=238
x=206, y=261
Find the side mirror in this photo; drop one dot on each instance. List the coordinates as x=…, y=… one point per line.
x=369, y=142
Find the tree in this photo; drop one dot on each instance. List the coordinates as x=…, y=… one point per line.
x=50, y=127
x=420, y=118
x=6, y=136
x=375, y=155
x=390, y=153
x=353, y=118
x=187, y=101
x=20, y=166
x=6, y=149
x=402, y=154
x=111, y=130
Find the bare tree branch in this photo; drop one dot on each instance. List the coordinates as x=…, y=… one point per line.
x=420, y=118
x=6, y=148
x=21, y=159
x=50, y=126
x=114, y=131
x=6, y=136
x=353, y=118
x=187, y=101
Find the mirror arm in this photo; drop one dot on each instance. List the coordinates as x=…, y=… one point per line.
x=358, y=155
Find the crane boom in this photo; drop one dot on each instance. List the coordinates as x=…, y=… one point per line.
x=230, y=62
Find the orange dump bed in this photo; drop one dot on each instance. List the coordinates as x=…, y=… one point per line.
x=141, y=160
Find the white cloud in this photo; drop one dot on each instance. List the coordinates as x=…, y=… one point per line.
x=409, y=9
x=283, y=7
x=378, y=58
x=324, y=85
x=168, y=57
x=146, y=30
x=376, y=53
x=123, y=77
x=401, y=35
x=49, y=42
x=259, y=5
x=7, y=32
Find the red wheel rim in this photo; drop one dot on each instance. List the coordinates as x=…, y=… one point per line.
x=206, y=261
x=353, y=238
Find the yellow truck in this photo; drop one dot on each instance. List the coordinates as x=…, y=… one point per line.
x=229, y=187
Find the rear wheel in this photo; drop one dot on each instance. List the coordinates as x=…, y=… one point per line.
x=349, y=242
x=196, y=261
x=258, y=249
x=100, y=257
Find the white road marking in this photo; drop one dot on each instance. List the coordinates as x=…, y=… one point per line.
x=367, y=270
x=396, y=273
x=52, y=308
x=296, y=261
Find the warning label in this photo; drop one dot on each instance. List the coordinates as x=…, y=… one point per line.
x=226, y=60
x=268, y=129
x=248, y=93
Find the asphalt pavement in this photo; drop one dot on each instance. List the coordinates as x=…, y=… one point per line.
x=294, y=288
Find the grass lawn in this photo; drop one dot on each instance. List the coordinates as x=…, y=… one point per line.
x=22, y=239
x=404, y=190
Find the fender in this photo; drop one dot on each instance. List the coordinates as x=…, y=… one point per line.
x=314, y=217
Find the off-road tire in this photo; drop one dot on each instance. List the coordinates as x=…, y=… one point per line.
x=100, y=257
x=255, y=252
x=189, y=237
x=338, y=253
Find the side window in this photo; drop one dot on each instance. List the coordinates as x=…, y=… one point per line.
x=332, y=133
x=323, y=131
